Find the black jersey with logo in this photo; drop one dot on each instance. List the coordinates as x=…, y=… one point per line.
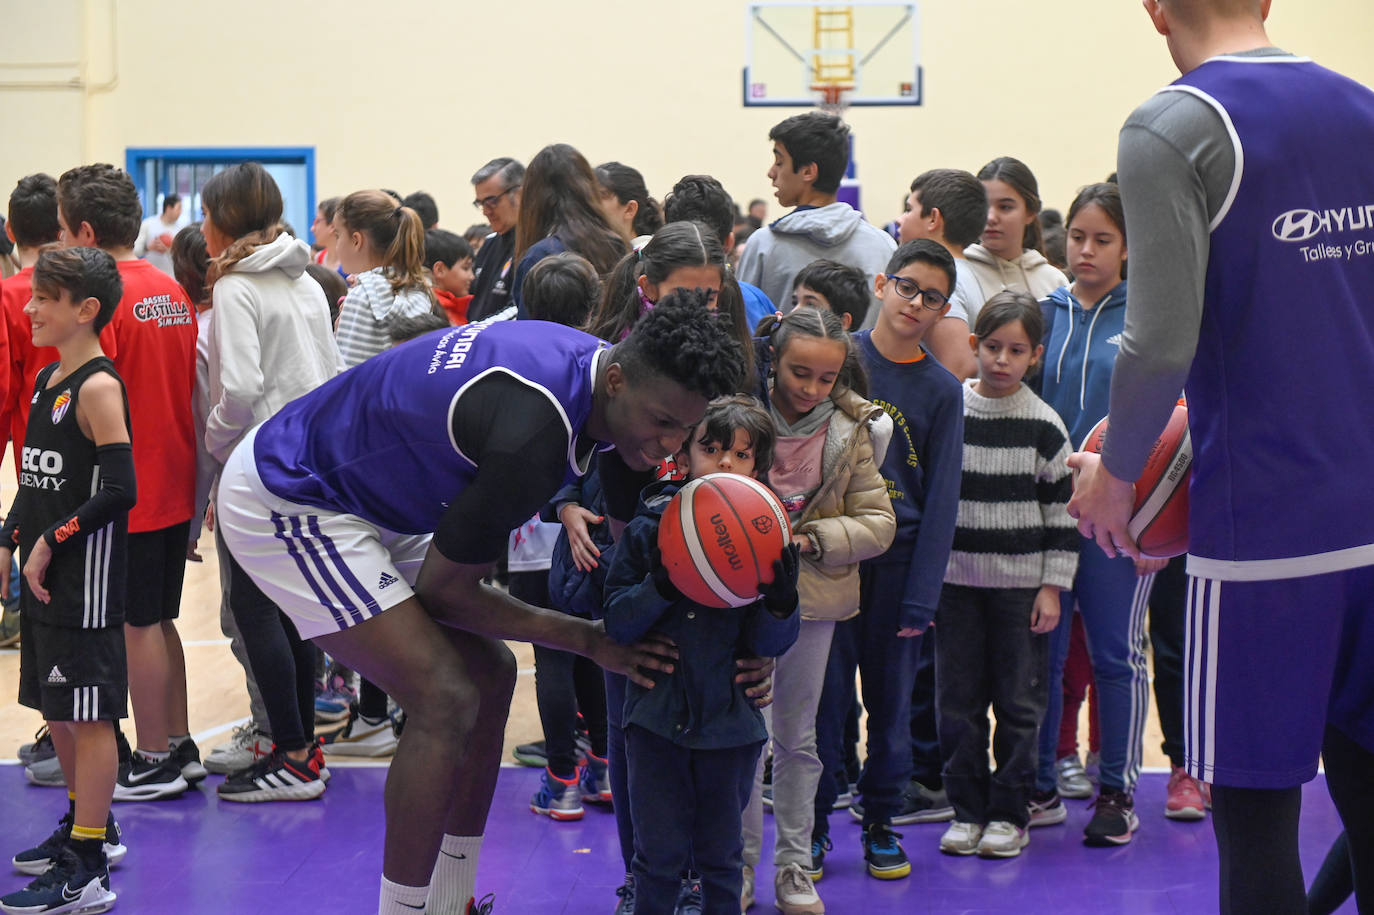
x=59, y=472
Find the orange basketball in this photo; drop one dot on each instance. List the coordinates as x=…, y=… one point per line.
x=1159, y=523
x=719, y=538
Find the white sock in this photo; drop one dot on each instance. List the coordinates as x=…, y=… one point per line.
x=401, y=900
x=455, y=875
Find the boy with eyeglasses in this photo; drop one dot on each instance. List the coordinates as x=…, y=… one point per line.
x=899, y=590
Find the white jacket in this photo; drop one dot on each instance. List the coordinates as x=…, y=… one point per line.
x=1028, y=273
x=270, y=341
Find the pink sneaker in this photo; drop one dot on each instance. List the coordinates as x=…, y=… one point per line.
x=1185, y=797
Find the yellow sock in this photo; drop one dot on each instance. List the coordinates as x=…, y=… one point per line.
x=88, y=832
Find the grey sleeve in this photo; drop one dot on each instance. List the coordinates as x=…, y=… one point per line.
x=1175, y=164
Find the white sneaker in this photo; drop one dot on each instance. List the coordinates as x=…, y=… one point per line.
x=364, y=737
x=1002, y=840
x=247, y=746
x=746, y=893
x=1072, y=777
x=794, y=892
x=961, y=838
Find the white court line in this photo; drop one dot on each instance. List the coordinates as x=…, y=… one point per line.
x=202, y=736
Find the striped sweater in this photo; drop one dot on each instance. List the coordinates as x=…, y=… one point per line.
x=370, y=310
x=1014, y=529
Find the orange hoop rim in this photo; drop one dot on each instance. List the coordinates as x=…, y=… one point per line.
x=832, y=95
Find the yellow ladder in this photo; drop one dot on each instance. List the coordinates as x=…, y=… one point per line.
x=832, y=64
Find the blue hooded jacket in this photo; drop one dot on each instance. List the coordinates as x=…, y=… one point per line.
x=1080, y=353
x=698, y=705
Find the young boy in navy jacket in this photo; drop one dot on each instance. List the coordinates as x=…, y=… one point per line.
x=693, y=740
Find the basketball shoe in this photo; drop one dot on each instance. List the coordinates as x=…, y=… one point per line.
x=246, y=747
x=67, y=886
x=277, y=777
x=1185, y=800
x=144, y=779
x=594, y=779
x=40, y=749
x=1113, y=821
x=363, y=736
x=186, y=757
x=557, y=798
x=37, y=860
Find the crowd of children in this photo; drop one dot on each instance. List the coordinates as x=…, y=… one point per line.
x=912, y=400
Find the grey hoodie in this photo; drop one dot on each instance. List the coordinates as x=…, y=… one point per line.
x=1028, y=273
x=776, y=253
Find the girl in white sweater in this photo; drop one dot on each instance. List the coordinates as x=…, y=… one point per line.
x=270, y=342
x=1010, y=253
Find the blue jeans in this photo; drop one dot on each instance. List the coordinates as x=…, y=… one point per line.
x=869, y=644
x=1112, y=599
x=687, y=807
x=615, y=757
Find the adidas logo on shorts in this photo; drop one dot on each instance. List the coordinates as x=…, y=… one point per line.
x=55, y=676
x=387, y=580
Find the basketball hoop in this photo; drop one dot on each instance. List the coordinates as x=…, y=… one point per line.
x=832, y=97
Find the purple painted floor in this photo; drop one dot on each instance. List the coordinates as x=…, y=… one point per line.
x=198, y=855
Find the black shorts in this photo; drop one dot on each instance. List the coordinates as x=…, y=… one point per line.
x=157, y=568
x=71, y=674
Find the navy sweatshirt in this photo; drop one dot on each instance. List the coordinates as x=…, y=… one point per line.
x=922, y=470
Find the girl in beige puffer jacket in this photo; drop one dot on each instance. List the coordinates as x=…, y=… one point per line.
x=825, y=469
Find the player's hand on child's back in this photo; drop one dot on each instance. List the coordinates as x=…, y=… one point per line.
x=577, y=520
x=37, y=567
x=780, y=595
x=758, y=672
x=653, y=652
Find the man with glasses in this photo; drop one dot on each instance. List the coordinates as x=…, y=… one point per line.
x=497, y=195
x=810, y=155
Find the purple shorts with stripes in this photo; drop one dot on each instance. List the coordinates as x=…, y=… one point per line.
x=1267, y=665
x=327, y=571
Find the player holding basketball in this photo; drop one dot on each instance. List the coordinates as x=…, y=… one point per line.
x=1245, y=274
x=693, y=742
x=463, y=434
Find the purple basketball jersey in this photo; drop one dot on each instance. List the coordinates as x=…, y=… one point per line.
x=377, y=440
x=1286, y=348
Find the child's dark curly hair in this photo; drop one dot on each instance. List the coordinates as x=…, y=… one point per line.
x=684, y=341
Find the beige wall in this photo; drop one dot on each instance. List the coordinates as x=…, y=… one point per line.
x=419, y=94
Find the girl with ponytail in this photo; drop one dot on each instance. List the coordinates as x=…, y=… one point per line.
x=681, y=255
x=383, y=244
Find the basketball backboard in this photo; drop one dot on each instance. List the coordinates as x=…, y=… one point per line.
x=862, y=53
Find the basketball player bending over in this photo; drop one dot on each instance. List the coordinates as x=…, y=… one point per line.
x=1264, y=160
x=371, y=509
